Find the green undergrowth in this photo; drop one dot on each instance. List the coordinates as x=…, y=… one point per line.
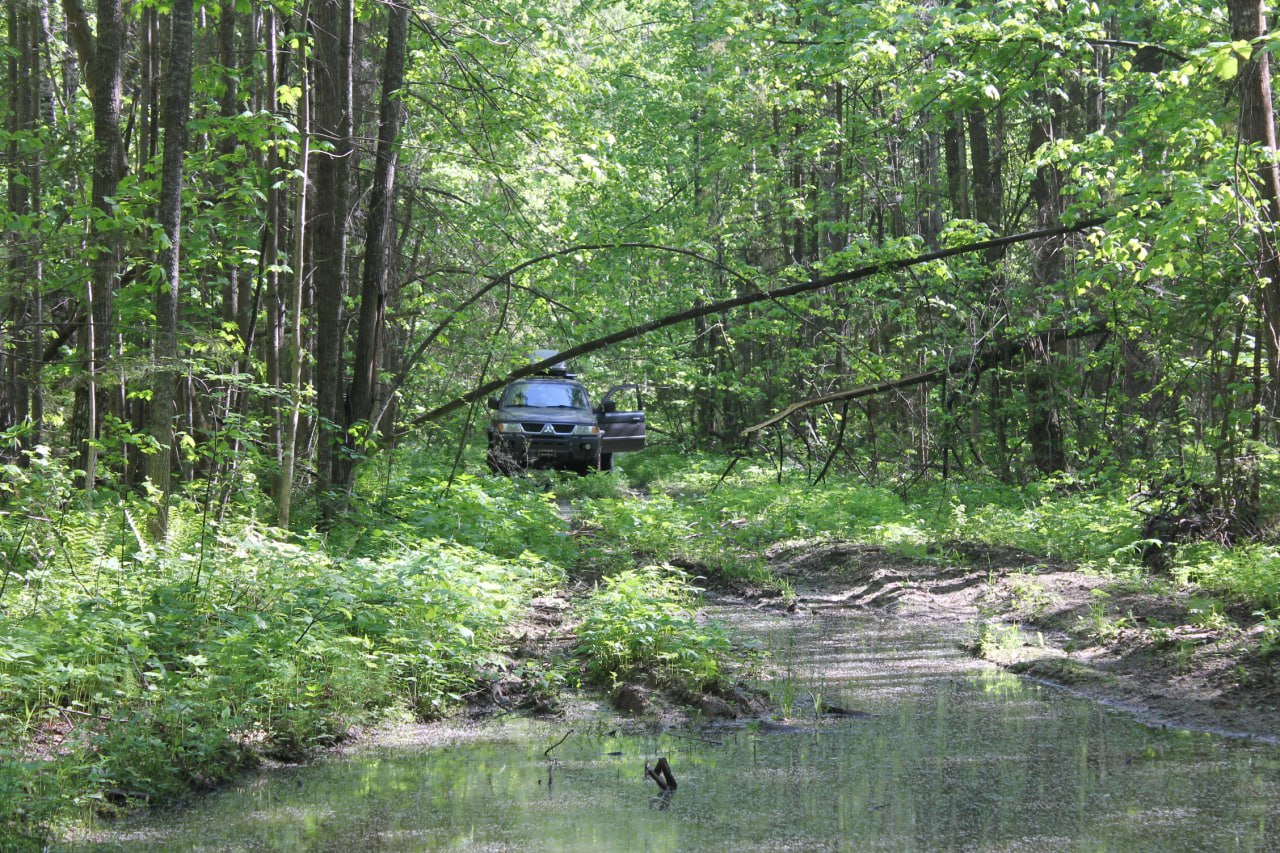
x=132, y=671
x=723, y=523
x=144, y=681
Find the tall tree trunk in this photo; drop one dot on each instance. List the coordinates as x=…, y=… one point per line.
x=957, y=167
x=1258, y=127
x=333, y=26
x=929, y=195
x=274, y=260
x=237, y=299
x=13, y=311
x=1044, y=421
x=103, y=57
x=176, y=107
x=987, y=173
x=374, y=282
x=37, y=83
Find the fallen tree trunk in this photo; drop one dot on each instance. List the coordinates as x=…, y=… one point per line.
x=973, y=365
x=750, y=299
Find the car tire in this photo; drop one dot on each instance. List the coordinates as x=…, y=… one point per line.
x=606, y=462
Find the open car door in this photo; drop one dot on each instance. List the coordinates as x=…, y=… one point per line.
x=623, y=431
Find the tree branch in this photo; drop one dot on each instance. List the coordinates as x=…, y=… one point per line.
x=973, y=365
x=82, y=37
x=400, y=378
x=741, y=301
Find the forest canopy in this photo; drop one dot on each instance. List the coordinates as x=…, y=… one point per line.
x=247, y=245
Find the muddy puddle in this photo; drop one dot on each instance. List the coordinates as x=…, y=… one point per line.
x=894, y=739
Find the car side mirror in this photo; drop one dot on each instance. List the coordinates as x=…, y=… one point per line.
x=608, y=406
x=493, y=402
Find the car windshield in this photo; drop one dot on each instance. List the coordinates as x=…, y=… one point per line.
x=550, y=395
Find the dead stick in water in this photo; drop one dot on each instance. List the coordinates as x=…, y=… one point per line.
x=661, y=773
x=547, y=752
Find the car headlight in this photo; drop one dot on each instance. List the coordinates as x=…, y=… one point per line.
x=586, y=429
x=504, y=426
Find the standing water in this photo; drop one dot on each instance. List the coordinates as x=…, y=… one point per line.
x=919, y=748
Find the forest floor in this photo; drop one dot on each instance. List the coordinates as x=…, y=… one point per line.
x=1171, y=657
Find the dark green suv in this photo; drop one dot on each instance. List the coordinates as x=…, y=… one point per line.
x=549, y=422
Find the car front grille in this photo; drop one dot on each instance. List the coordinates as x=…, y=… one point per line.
x=537, y=428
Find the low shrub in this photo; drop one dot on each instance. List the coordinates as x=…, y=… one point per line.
x=642, y=622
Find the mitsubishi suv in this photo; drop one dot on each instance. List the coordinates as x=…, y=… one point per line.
x=548, y=421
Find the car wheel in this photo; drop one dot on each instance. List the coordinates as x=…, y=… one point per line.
x=606, y=461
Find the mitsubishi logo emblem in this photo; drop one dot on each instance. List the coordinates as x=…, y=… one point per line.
x=547, y=429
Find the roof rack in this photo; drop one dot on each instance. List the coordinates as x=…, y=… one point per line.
x=560, y=368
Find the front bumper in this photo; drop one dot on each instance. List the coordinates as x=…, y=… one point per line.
x=546, y=452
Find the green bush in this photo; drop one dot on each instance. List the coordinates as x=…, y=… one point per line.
x=1247, y=573
x=641, y=621
x=502, y=516
x=1098, y=527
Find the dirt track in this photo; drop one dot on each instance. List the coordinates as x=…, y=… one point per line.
x=1173, y=659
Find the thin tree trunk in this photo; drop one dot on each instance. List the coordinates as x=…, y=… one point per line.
x=273, y=255
x=293, y=408
x=38, y=83
x=14, y=325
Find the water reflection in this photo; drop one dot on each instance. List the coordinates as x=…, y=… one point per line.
x=945, y=754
